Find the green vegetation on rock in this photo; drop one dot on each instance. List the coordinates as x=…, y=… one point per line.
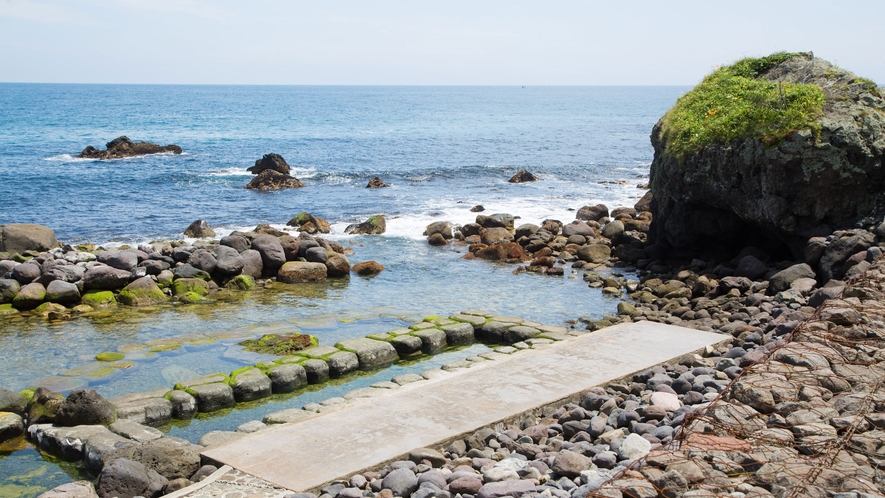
x=242, y=282
x=97, y=298
x=732, y=103
x=280, y=345
x=110, y=356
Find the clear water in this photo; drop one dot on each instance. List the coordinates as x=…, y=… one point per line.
x=443, y=150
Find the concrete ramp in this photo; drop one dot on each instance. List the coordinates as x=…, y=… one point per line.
x=306, y=455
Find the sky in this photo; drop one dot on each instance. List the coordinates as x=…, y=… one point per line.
x=448, y=42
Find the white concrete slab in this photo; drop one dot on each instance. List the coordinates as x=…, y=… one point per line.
x=308, y=454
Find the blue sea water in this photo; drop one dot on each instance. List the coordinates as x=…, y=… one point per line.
x=442, y=150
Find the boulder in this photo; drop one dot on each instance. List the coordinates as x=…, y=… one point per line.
x=26, y=273
x=273, y=162
x=751, y=267
x=11, y=401
x=76, y=489
x=43, y=406
x=11, y=426
x=287, y=377
x=337, y=265
x=301, y=271
x=127, y=479
x=238, y=242
x=140, y=292
x=8, y=289
x=523, y=176
x=203, y=260
x=498, y=220
x=401, y=482
x=271, y=249
x=199, y=229
x=495, y=235
x=29, y=297
x=578, y=227
x=105, y=278
x=250, y=384
x=376, y=182
x=832, y=262
x=784, y=279
x=85, y=407
x=121, y=147
x=170, y=457
x=592, y=213
x=772, y=185
x=228, y=261
x=374, y=225
x=273, y=180
x=343, y=362
x=121, y=260
x=594, y=253
x=443, y=228
x=16, y=238
x=371, y=353
x=367, y=268
x=253, y=263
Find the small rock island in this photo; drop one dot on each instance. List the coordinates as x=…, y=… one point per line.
x=121, y=147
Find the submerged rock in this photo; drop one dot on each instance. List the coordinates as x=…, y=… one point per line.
x=376, y=182
x=374, y=225
x=273, y=180
x=121, y=147
x=523, y=176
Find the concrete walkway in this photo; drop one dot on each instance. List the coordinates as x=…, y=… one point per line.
x=306, y=455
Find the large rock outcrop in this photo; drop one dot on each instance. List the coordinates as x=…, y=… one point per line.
x=121, y=147
x=272, y=173
x=772, y=187
x=17, y=238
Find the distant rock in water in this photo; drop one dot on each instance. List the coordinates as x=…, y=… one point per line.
x=121, y=147
x=522, y=177
x=768, y=152
x=376, y=182
x=199, y=229
x=273, y=180
x=270, y=161
x=374, y=225
x=272, y=174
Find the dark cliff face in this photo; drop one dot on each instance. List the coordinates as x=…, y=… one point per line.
x=745, y=192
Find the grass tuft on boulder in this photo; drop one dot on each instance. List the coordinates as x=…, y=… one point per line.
x=734, y=102
x=280, y=345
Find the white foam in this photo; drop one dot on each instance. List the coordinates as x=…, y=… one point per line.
x=67, y=158
x=230, y=172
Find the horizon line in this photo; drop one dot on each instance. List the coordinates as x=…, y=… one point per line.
x=509, y=85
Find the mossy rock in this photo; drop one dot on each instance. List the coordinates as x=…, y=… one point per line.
x=7, y=309
x=734, y=102
x=110, y=356
x=101, y=372
x=142, y=296
x=184, y=286
x=165, y=347
x=98, y=298
x=123, y=365
x=192, y=298
x=242, y=282
x=46, y=308
x=280, y=345
x=82, y=308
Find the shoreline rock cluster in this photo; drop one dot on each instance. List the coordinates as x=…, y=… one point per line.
x=57, y=281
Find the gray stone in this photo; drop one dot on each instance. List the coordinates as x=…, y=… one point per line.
x=287, y=378
x=170, y=457
x=458, y=333
x=212, y=397
x=59, y=291
x=11, y=425
x=151, y=409
x=520, y=333
x=101, y=447
x=592, y=213
x=286, y=416
x=127, y=479
x=199, y=229
x=433, y=340
x=570, y=464
x=612, y=229
x=465, y=485
x=29, y=297
x=435, y=458
x=783, y=279
x=506, y=488
x=272, y=254
x=594, y=253
x=105, y=278
x=300, y=272
x=228, y=261
x=8, y=289
x=408, y=344
x=236, y=242
x=213, y=438
x=317, y=371
x=133, y=430
x=184, y=406
x=11, y=401
x=121, y=260
x=633, y=447
x=751, y=267
x=250, y=385
x=76, y=489
x=253, y=265
x=19, y=237
x=578, y=227
x=343, y=362
x=85, y=407
x=371, y=353
x=26, y=273
x=401, y=482
x=202, y=259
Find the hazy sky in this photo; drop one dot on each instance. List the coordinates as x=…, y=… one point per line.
x=494, y=42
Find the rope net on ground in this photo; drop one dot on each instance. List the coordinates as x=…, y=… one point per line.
x=808, y=420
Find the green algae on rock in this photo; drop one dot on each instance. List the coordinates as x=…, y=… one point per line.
x=280, y=345
x=110, y=356
x=142, y=292
x=98, y=298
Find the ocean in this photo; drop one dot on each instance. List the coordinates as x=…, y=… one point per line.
x=443, y=150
